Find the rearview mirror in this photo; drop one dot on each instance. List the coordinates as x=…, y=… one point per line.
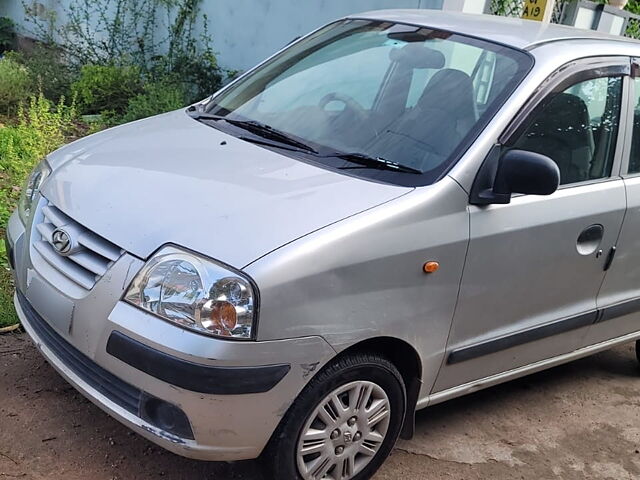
x=518, y=171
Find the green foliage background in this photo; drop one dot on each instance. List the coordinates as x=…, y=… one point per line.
x=633, y=6
x=128, y=72
x=41, y=127
x=15, y=85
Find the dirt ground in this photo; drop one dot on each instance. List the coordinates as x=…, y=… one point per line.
x=577, y=421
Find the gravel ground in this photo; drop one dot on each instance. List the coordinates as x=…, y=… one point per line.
x=576, y=421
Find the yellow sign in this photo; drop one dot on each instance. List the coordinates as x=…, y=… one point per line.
x=534, y=9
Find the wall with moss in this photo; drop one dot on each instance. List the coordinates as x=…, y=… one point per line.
x=247, y=31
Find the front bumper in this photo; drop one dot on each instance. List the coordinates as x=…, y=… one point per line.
x=233, y=394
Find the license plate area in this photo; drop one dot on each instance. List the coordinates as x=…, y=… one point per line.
x=53, y=306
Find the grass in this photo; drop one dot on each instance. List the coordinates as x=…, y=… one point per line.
x=39, y=128
x=8, y=315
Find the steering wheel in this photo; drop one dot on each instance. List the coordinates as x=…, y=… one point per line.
x=350, y=103
x=354, y=113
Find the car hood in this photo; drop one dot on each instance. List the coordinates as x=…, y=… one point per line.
x=171, y=179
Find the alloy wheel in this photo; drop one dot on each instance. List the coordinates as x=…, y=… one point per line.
x=344, y=432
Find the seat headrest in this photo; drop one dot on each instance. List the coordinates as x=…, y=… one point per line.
x=415, y=55
x=566, y=109
x=450, y=90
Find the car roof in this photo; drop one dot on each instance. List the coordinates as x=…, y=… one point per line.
x=512, y=31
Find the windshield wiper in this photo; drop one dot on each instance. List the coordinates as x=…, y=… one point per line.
x=270, y=133
x=258, y=128
x=258, y=140
x=374, y=162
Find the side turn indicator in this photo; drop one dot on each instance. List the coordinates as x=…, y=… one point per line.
x=431, y=267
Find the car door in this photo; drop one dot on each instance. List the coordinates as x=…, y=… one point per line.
x=619, y=297
x=534, y=266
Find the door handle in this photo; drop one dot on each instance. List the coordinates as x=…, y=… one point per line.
x=590, y=239
x=609, y=261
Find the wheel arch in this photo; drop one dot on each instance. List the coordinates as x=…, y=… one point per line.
x=408, y=362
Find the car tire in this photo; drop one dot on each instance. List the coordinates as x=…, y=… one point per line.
x=316, y=438
x=638, y=350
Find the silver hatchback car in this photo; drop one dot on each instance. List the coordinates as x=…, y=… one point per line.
x=397, y=209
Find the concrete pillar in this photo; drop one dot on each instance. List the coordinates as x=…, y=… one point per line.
x=466, y=6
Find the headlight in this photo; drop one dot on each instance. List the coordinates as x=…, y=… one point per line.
x=31, y=188
x=197, y=293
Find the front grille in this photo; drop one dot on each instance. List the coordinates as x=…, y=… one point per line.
x=91, y=258
x=119, y=392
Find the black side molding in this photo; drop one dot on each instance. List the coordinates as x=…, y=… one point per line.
x=520, y=338
x=537, y=333
x=193, y=376
x=615, y=311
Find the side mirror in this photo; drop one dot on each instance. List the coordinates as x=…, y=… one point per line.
x=518, y=171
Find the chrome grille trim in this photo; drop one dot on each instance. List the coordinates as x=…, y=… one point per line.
x=100, y=246
x=91, y=259
x=69, y=269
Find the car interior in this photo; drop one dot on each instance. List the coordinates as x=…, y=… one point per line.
x=564, y=129
x=415, y=111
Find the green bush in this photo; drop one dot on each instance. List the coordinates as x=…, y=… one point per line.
x=7, y=34
x=633, y=6
x=48, y=70
x=158, y=97
x=103, y=88
x=198, y=72
x=42, y=127
x=8, y=315
x=129, y=37
x=15, y=85
x=16, y=158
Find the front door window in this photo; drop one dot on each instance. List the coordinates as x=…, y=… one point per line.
x=577, y=128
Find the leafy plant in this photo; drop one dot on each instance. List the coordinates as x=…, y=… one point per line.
x=199, y=72
x=633, y=6
x=8, y=315
x=103, y=88
x=189, y=58
x=158, y=97
x=7, y=34
x=508, y=8
x=124, y=33
x=15, y=84
x=48, y=70
x=103, y=31
x=42, y=127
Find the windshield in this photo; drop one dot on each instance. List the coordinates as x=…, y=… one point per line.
x=392, y=102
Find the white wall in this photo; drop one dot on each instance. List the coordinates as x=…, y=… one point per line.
x=247, y=31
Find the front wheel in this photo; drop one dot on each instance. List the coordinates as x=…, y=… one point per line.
x=344, y=423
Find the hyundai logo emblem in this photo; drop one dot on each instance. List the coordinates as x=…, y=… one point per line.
x=61, y=241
